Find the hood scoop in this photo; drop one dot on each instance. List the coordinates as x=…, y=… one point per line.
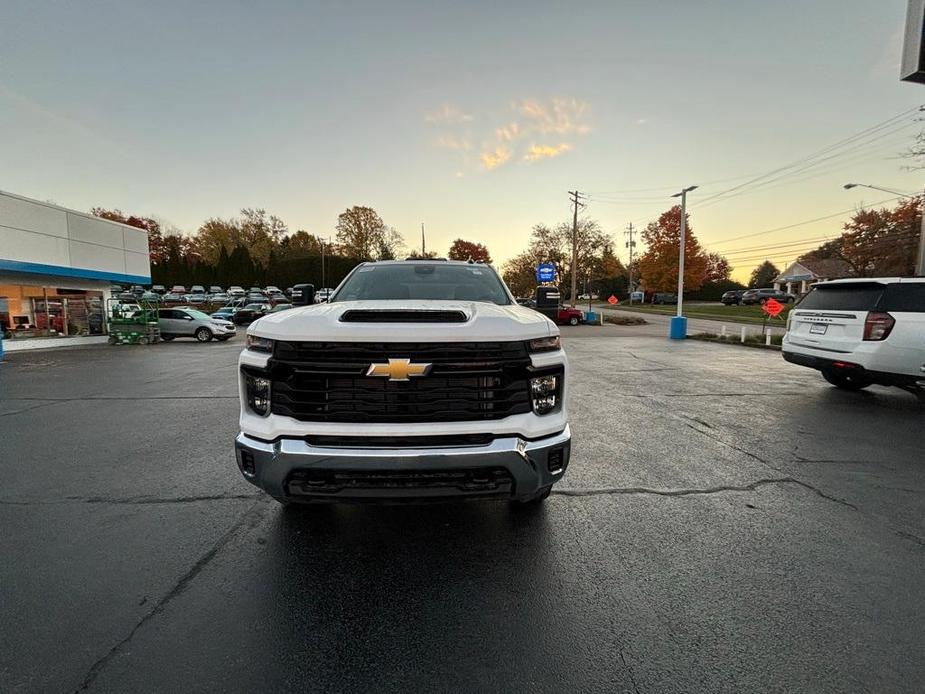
x=403, y=316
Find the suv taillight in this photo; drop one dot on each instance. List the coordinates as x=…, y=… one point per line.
x=878, y=326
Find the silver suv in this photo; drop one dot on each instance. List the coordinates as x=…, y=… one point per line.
x=188, y=322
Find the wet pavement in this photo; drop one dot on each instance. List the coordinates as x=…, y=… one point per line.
x=729, y=522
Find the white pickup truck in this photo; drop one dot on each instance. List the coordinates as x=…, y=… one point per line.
x=417, y=379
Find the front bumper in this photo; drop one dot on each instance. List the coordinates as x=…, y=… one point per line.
x=508, y=467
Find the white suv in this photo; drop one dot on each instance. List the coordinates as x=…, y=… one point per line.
x=860, y=332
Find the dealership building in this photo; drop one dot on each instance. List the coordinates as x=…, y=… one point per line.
x=56, y=270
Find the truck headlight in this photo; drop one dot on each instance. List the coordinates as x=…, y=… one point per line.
x=258, y=393
x=260, y=344
x=544, y=391
x=544, y=344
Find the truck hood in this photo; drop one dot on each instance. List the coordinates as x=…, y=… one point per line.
x=483, y=322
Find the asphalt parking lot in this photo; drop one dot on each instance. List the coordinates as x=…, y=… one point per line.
x=729, y=523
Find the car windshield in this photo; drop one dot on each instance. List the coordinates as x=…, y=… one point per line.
x=440, y=281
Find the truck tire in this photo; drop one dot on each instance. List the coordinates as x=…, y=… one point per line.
x=203, y=334
x=573, y=320
x=845, y=380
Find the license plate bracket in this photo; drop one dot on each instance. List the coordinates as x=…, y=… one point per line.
x=818, y=328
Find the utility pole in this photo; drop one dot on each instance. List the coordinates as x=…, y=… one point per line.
x=631, y=245
x=423, y=247
x=575, y=195
x=678, y=330
x=323, y=244
x=920, y=261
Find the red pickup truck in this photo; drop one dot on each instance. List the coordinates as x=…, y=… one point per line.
x=570, y=315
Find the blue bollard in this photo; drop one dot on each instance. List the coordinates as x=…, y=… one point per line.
x=678, y=330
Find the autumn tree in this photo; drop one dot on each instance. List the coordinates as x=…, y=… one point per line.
x=659, y=264
x=763, y=275
x=361, y=233
x=261, y=233
x=216, y=235
x=883, y=242
x=301, y=244
x=466, y=250
x=156, y=248
x=718, y=268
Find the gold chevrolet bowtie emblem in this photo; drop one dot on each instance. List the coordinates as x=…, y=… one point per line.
x=398, y=370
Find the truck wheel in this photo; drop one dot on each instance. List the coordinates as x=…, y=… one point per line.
x=203, y=334
x=845, y=380
x=573, y=320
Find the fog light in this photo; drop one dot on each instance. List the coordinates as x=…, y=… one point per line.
x=554, y=460
x=258, y=394
x=544, y=391
x=247, y=463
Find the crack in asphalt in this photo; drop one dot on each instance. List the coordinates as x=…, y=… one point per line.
x=251, y=516
x=132, y=500
x=629, y=671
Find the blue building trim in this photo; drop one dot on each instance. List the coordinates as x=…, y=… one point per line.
x=59, y=271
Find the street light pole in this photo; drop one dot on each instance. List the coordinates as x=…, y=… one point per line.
x=678, y=329
x=920, y=256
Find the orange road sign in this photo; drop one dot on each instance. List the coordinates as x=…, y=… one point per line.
x=612, y=300
x=773, y=307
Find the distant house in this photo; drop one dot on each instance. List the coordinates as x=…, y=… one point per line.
x=802, y=274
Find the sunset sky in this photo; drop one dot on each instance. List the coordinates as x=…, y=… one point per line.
x=475, y=118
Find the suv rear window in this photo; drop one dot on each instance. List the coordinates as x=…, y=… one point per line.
x=860, y=296
x=904, y=298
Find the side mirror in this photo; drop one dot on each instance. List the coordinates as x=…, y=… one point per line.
x=303, y=294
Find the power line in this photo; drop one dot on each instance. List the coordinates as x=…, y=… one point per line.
x=824, y=150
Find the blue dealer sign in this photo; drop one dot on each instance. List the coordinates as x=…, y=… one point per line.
x=545, y=272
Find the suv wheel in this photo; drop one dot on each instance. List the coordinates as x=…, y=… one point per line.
x=203, y=334
x=846, y=380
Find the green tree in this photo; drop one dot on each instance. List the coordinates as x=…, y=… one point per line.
x=763, y=275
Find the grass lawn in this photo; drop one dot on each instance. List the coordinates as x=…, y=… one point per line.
x=733, y=314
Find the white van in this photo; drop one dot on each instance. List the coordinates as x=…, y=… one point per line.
x=861, y=332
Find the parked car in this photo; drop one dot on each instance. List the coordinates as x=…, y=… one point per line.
x=188, y=322
x=159, y=289
x=197, y=289
x=861, y=332
x=172, y=297
x=236, y=291
x=196, y=298
x=323, y=294
x=257, y=298
x=281, y=306
x=732, y=297
x=178, y=289
x=570, y=315
x=127, y=298
x=225, y=313
x=137, y=290
x=664, y=298
x=215, y=289
x=271, y=289
x=760, y=296
x=219, y=298
x=255, y=290
x=250, y=313
x=151, y=297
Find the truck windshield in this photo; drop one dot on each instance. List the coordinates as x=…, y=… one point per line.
x=414, y=281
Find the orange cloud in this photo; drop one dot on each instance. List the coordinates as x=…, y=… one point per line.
x=537, y=152
x=559, y=115
x=492, y=160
